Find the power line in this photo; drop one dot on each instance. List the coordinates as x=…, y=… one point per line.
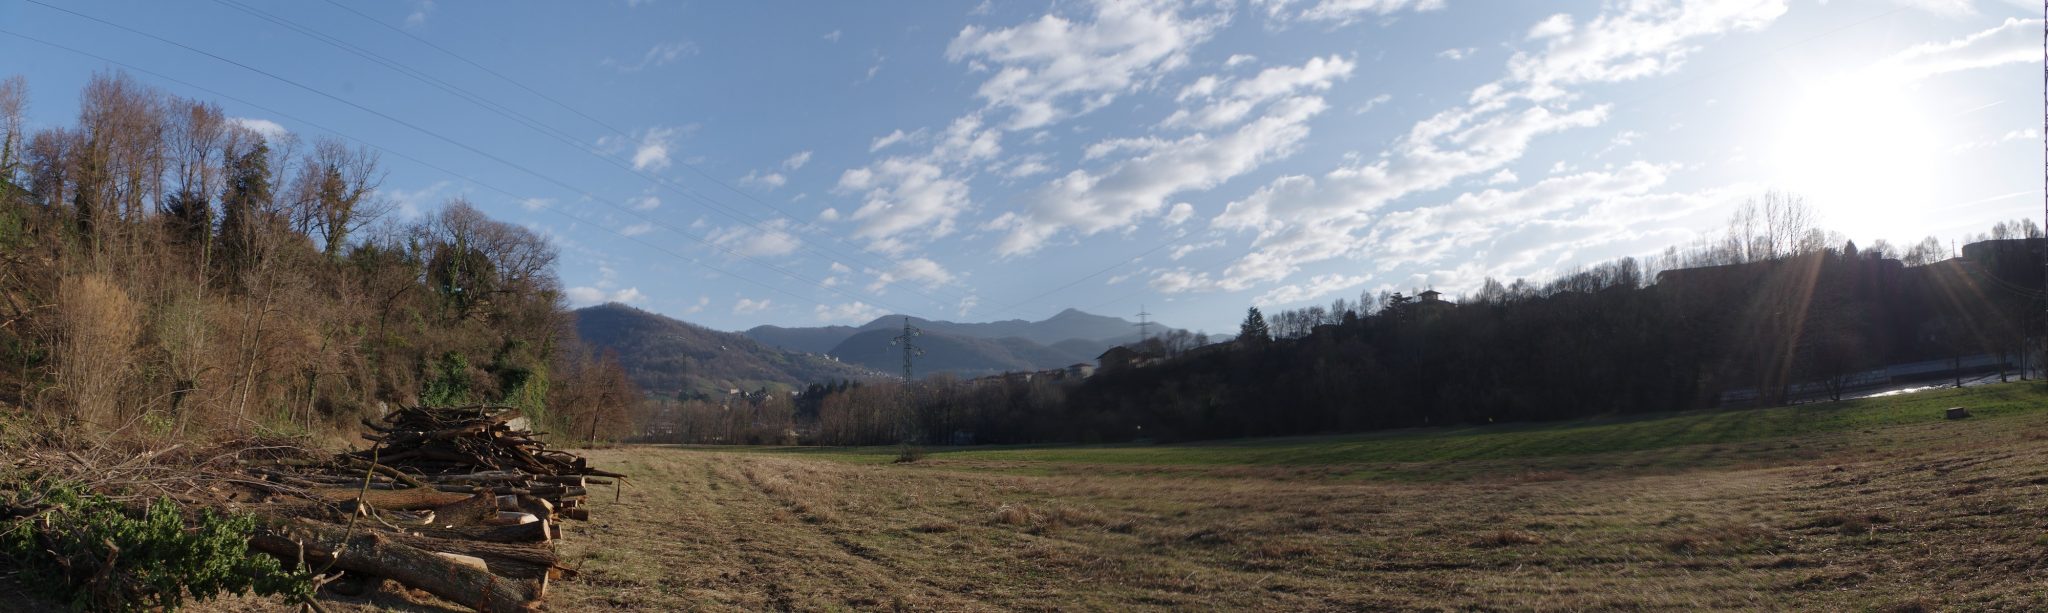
x=429, y=165
x=658, y=180
x=472, y=149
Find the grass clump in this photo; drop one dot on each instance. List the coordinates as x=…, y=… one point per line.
x=93, y=554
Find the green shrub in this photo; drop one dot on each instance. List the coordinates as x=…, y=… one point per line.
x=92, y=554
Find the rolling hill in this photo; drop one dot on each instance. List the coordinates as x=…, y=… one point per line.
x=669, y=356
x=963, y=348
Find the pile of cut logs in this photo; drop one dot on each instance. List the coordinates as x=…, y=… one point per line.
x=462, y=502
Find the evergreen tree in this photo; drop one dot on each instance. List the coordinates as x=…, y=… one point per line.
x=1254, y=329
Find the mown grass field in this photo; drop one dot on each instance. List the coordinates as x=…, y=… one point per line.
x=1867, y=505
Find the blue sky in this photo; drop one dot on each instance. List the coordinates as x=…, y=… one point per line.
x=739, y=163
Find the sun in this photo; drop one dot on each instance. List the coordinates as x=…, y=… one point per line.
x=1862, y=150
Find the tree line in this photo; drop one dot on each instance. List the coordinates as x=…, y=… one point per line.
x=169, y=270
x=1776, y=310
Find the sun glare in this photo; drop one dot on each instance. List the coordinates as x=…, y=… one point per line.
x=1862, y=150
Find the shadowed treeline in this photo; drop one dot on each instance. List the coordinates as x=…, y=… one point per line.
x=1777, y=311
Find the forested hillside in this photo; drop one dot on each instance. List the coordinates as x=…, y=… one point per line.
x=1776, y=312
x=170, y=272
x=670, y=357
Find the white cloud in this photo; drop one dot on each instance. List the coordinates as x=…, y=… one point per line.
x=1503, y=177
x=1138, y=187
x=1055, y=67
x=855, y=312
x=770, y=239
x=1183, y=250
x=1239, y=58
x=535, y=204
x=2015, y=41
x=1944, y=8
x=1455, y=54
x=768, y=181
x=270, y=130
x=582, y=296
x=797, y=161
x=829, y=214
x=748, y=305
x=1317, y=287
x=1317, y=74
x=2026, y=134
x=651, y=153
x=1301, y=219
x=702, y=302
x=832, y=36
x=1372, y=103
x=1551, y=27
x=637, y=229
x=1341, y=12
x=891, y=138
x=660, y=54
x=421, y=10
x=918, y=197
x=1179, y=214
x=922, y=271
x=644, y=202
x=966, y=304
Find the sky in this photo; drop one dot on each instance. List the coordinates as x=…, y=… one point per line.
x=745, y=163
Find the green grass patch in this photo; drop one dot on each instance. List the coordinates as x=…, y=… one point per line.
x=1495, y=442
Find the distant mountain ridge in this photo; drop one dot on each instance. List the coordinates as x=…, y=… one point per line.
x=668, y=356
x=964, y=348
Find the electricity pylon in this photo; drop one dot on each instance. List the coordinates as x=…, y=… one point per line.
x=909, y=350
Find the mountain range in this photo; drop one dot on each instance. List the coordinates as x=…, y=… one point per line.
x=963, y=348
x=671, y=357
x=668, y=356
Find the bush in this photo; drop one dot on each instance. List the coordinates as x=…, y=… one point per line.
x=91, y=553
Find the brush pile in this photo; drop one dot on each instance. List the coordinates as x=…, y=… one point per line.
x=462, y=502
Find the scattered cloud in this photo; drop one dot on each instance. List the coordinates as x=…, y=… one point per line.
x=1339, y=12
x=882, y=142
x=2015, y=41
x=421, y=9
x=1317, y=287
x=1138, y=187
x=917, y=197
x=832, y=36
x=797, y=161
x=1456, y=54
x=1179, y=214
x=921, y=271
x=746, y=306
x=583, y=296
x=270, y=130
x=644, y=202
x=535, y=204
x=766, y=240
x=637, y=229
x=769, y=181
x=652, y=149
x=1056, y=66
x=1372, y=103
x=661, y=54
x=1300, y=219
x=855, y=312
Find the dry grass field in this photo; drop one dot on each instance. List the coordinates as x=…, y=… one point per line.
x=1904, y=514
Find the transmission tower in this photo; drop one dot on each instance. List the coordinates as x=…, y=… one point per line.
x=1144, y=324
x=910, y=350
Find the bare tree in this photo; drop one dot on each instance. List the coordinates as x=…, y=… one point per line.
x=13, y=104
x=338, y=192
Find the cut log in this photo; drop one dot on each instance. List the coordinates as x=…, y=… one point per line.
x=404, y=500
x=380, y=555
x=512, y=518
x=576, y=513
x=469, y=561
